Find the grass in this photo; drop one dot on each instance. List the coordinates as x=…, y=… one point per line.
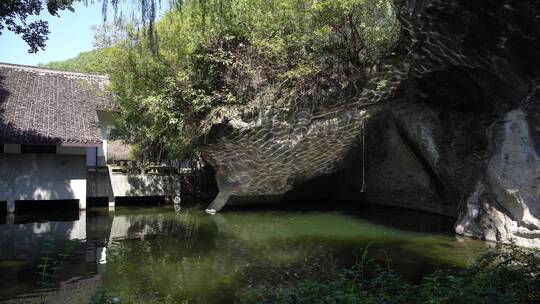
x=507, y=274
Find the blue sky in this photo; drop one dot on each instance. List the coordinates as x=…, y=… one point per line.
x=70, y=34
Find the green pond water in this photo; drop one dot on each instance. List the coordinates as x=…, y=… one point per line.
x=157, y=255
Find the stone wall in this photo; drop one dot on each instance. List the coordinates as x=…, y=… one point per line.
x=144, y=184
x=103, y=182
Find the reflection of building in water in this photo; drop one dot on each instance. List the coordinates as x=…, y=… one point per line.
x=139, y=226
x=75, y=246
x=85, y=239
x=16, y=239
x=55, y=146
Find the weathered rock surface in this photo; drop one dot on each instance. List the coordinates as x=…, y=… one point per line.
x=454, y=129
x=506, y=204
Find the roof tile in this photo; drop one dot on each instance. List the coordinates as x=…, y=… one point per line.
x=43, y=106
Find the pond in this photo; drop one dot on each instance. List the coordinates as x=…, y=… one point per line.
x=157, y=255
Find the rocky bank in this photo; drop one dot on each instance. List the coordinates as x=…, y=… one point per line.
x=452, y=126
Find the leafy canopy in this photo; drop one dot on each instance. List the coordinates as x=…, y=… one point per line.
x=208, y=56
x=213, y=54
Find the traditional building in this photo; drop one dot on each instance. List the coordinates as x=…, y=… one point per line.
x=54, y=128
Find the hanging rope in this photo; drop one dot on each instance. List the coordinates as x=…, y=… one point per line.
x=363, y=189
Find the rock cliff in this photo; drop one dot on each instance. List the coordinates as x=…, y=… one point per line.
x=449, y=126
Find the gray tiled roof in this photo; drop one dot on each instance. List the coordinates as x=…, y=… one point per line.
x=43, y=106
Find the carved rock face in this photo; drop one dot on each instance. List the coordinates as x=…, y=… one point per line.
x=506, y=206
x=455, y=130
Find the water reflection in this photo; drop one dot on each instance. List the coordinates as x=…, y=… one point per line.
x=157, y=254
x=35, y=254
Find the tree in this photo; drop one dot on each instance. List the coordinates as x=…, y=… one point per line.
x=208, y=57
x=215, y=56
x=15, y=13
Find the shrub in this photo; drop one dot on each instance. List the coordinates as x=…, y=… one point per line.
x=508, y=274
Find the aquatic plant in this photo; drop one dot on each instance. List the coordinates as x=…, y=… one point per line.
x=52, y=260
x=507, y=274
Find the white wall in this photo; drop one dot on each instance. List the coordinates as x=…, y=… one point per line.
x=144, y=184
x=106, y=123
x=42, y=177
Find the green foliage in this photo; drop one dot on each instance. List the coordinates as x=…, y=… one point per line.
x=93, y=62
x=504, y=275
x=213, y=54
x=206, y=56
x=101, y=297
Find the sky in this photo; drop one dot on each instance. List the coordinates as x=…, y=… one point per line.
x=70, y=34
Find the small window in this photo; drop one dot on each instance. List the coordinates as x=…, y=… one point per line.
x=38, y=149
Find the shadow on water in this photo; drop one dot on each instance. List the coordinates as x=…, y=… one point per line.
x=3, y=210
x=399, y=218
x=51, y=210
x=140, y=201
